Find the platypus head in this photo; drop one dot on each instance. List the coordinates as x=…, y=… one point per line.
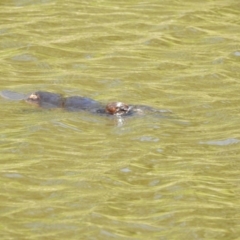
x=117, y=108
x=46, y=99
x=33, y=98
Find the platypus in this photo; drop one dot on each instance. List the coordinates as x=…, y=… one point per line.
x=78, y=103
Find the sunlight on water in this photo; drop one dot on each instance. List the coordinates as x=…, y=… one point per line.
x=78, y=175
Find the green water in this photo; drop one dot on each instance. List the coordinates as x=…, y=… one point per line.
x=66, y=175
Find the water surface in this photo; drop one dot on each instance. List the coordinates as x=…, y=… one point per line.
x=81, y=176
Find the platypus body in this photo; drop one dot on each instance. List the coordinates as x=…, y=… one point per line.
x=78, y=103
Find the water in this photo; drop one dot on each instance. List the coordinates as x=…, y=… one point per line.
x=81, y=176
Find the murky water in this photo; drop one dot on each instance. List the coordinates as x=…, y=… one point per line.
x=67, y=175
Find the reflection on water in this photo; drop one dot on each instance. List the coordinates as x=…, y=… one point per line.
x=68, y=174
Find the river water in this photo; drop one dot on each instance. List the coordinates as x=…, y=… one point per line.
x=74, y=175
